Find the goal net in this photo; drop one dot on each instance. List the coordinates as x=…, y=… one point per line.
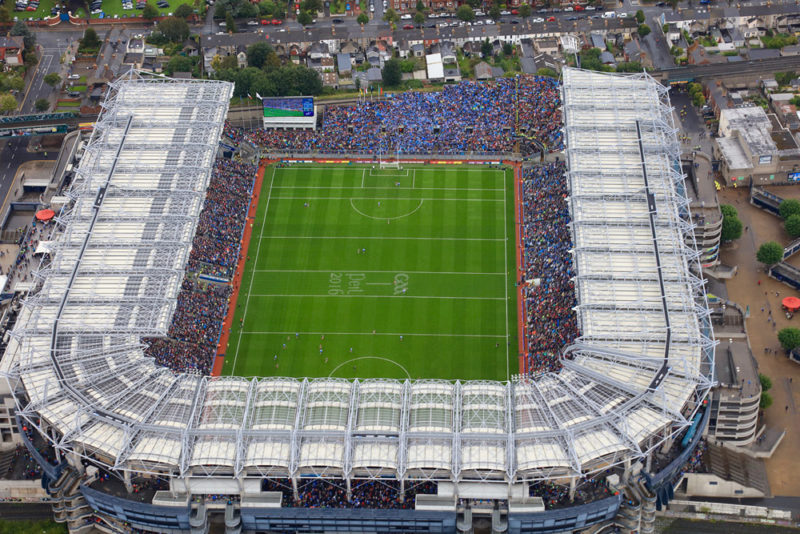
x=389, y=164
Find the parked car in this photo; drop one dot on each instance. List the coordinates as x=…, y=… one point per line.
x=408, y=26
x=551, y=19
x=73, y=77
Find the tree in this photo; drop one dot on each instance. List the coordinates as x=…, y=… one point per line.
x=363, y=18
x=789, y=338
x=419, y=18
x=643, y=30
x=21, y=29
x=179, y=64
x=789, y=207
x=230, y=24
x=52, y=79
x=184, y=11
x=508, y=49
x=465, y=13
x=698, y=100
x=785, y=78
x=766, y=401
x=525, y=11
x=640, y=16
x=175, y=29
x=770, y=253
x=266, y=7
x=392, y=74
x=792, y=226
x=304, y=18
x=42, y=104
x=229, y=62
x=420, y=6
x=546, y=71
x=90, y=40
x=312, y=6
x=17, y=83
x=728, y=210
x=150, y=11
x=766, y=382
x=7, y=102
x=494, y=12
x=5, y=14
x=391, y=16
x=486, y=48
x=258, y=54
x=247, y=10
x=731, y=228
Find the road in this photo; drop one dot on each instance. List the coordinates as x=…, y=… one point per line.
x=25, y=511
x=13, y=154
x=37, y=88
x=52, y=45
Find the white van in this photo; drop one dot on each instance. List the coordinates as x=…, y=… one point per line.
x=609, y=15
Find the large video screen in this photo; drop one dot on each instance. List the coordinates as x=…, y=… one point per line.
x=288, y=107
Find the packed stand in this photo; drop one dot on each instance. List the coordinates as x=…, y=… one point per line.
x=482, y=117
x=195, y=328
x=215, y=250
x=550, y=321
x=323, y=493
x=191, y=342
x=557, y=495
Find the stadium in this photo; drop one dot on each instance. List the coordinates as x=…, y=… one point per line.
x=157, y=279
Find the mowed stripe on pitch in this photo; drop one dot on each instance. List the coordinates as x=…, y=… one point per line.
x=448, y=255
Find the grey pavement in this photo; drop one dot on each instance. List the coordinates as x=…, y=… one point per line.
x=13, y=153
x=37, y=88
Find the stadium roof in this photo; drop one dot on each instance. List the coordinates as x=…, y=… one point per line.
x=640, y=369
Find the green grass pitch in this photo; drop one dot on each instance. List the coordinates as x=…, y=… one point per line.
x=403, y=273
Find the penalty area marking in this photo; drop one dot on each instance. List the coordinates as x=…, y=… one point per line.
x=412, y=212
x=369, y=358
x=383, y=174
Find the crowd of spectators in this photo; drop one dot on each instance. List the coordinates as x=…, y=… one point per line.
x=195, y=328
x=697, y=461
x=557, y=495
x=20, y=464
x=196, y=325
x=218, y=236
x=548, y=291
x=485, y=117
x=332, y=493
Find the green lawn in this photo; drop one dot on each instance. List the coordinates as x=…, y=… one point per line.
x=43, y=11
x=444, y=234
x=114, y=7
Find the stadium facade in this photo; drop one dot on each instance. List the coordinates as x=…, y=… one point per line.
x=636, y=378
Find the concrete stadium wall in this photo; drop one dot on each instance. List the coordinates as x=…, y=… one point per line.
x=22, y=490
x=708, y=485
x=565, y=519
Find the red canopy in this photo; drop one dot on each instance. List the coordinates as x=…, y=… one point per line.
x=46, y=215
x=793, y=303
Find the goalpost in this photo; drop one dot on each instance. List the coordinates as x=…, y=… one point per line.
x=389, y=163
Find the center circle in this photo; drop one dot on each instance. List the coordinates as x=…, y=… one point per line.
x=387, y=208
